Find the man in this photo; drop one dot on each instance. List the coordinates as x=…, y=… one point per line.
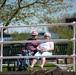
x=28, y=49
x=44, y=49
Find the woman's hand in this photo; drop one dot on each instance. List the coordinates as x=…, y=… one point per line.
x=41, y=50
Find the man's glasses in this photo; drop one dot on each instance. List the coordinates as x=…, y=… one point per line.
x=33, y=35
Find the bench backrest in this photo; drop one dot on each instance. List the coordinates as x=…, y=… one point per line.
x=61, y=49
x=11, y=50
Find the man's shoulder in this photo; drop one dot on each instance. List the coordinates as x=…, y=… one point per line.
x=30, y=39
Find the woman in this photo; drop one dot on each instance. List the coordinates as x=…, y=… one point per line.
x=44, y=49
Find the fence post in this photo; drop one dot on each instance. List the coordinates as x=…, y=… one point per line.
x=74, y=47
x=1, y=50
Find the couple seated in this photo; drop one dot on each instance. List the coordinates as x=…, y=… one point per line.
x=41, y=49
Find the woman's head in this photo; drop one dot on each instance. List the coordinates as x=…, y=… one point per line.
x=47, y=35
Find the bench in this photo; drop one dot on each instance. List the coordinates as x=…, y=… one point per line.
x=61, y=49
x=13, y=50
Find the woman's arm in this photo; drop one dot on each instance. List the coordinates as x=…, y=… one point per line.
x=51, y=48
x=39, y=49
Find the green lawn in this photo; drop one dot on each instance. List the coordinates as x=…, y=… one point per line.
x=46, y=66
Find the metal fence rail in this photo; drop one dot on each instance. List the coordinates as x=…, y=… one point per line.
x=24, y=41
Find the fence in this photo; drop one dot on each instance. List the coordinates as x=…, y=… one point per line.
x=14, y=49
x=24, y=41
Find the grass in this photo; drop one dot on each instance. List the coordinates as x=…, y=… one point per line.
x=46, y=66
x=11, y=68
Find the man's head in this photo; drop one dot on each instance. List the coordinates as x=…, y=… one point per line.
x=47, y=35
x=34, y=35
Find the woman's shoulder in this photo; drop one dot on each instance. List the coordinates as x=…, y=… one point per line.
x=51, y=42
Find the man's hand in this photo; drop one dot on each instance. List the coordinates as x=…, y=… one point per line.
x=24, y=51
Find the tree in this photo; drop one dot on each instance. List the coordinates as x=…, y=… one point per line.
x=73, y=15
x=16, y=11
x=20, y=36
x=62, y=31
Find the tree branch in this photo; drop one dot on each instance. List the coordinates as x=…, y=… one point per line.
x=49, y=2
x=35, y=2
x=15, y=12
x=19, y=1
x=29, y=4
x=3, y=4
x=42, y=2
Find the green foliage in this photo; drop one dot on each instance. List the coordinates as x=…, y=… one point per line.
x=74, y=15
x=48, y=66
x=20, y=36
x=65, y=32
x=30, y=12
x=62, y=31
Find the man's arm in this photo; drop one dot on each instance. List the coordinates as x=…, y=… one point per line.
x=25, y=47
x=32, y=48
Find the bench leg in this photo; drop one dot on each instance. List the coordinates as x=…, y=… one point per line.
x=14, y=67
x=8, y=67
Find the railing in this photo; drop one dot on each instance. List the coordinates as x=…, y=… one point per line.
x=24, y=41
